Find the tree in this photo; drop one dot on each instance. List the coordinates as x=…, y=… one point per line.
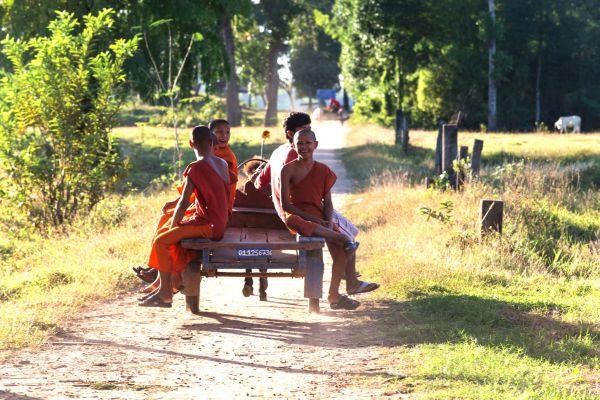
x=170, y=89
x=313, y=54
x=234, y=112
x=57, y=110
x=276, y=15
x=491, y=69
x=252, y=50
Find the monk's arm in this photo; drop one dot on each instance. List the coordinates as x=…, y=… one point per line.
x=169, y=204
x=286, y=177
x=328, y=209
x=184, y=202
x=225, y=171
x=263, y=178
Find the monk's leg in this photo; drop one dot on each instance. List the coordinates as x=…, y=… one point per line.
x=151, y=287
x=340, y=262
x=162, y=248
x=336, y=237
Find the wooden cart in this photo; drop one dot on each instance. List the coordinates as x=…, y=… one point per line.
x=256, y=244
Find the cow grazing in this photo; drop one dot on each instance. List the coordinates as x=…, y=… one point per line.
x=572, y=122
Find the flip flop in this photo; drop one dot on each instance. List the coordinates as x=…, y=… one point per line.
x=350, y=246
x=155, y=301
x=364, y=287
x=148, y=276
x=148, y=295
x=345, y=303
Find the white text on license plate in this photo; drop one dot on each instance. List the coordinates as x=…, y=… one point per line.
x=253, y=253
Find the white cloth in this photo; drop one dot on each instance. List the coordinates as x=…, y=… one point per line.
x=344, y=225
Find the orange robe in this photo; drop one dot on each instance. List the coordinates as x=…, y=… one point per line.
x=308, y=196
x=209, y=219
x=165, y=219
x=227, y=155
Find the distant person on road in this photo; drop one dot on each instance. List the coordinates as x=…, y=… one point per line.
x=306, y=200
x=334, y=105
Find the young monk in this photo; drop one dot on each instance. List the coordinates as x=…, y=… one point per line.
x=221, y=130
x=208, y=179
x=270, y=175
x=306, y=201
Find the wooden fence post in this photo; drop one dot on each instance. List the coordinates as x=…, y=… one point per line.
x=438, y=151
x=491, y=216
x=476, y=159
x=449, y=150
x=427, y=182
x=462, y=155
x=404, y=133
x=399, y=116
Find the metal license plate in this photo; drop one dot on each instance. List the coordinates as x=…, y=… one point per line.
x=254, y=253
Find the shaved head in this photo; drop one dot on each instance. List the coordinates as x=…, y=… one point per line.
x=306, y=132
x=201, y=136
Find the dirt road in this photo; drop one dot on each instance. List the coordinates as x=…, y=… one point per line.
x=237, y=348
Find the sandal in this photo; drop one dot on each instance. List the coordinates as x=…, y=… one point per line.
x=155, y=290
x=364, y=287
x=147, y=276
x=140, y=268
x=345, y=303
x=350, y=246
x=155, y=301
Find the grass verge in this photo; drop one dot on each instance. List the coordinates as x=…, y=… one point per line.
x=508, y=317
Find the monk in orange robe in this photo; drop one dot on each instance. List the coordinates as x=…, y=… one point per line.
x=306, y=200
x=221, y=130
x=208, y=179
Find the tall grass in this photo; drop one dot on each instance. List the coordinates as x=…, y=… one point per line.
x=511, y=316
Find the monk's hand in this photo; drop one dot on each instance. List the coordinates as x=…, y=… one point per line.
x=168, y=205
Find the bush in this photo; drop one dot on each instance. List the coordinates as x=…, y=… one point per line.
x=56, y=111
x=194, y=111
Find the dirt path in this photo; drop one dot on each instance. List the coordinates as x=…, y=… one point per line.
x=237, y=348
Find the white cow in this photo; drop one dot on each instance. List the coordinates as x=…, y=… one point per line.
x=571, y=122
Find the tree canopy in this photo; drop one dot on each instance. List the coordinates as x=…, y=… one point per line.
x=426, y=57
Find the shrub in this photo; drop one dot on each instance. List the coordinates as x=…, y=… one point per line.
x=56, y=112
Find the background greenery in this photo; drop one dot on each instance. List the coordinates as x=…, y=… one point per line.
x=428, y=58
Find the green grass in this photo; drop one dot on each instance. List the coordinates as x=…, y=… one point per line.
x=496, y=318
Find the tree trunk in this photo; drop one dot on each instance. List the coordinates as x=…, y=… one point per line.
x=234, y=112
x=538, y=77
x=492, y=90
x=272, y=85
